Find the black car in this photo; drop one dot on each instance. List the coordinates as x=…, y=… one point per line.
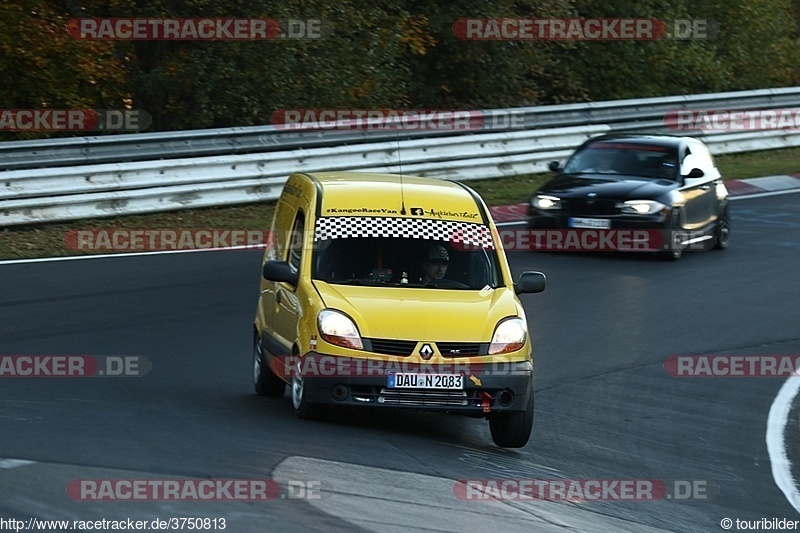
x=661, y=184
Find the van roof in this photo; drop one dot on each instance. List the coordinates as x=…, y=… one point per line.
x=376, y=195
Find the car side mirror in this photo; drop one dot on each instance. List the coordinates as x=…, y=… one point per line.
x=279, y=271
x=530, y=282
x=693, y=177
x=555, y=166
x=695, y=173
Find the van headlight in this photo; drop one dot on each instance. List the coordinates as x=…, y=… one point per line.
x=546, y=202
x=642, y=207
x=337, y=328
x=509, y=336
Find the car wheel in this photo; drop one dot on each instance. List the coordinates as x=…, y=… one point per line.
x=513, y=429
x=676, y=236
x=723, y=231
x=265, y=382
x=302, y=407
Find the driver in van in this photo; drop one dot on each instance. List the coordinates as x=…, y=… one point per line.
x=434, y=267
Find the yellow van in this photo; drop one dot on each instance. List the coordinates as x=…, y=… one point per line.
x=390, y=291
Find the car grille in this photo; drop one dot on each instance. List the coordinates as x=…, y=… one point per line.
x=462, y=349
x=391, y=346
x=583, y=206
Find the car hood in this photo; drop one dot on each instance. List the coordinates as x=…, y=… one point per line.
x=422, y=314
x=618, y=187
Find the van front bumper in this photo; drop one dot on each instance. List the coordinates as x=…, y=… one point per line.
x=487, y=388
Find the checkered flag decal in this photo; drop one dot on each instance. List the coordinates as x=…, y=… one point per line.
x=464, y=233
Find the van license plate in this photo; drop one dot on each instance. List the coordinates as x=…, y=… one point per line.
x=426, y=381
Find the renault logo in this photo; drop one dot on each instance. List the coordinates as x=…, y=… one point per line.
x=426, y=351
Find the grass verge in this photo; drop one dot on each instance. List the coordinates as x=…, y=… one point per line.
x=48, y=240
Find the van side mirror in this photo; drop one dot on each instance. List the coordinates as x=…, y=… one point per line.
x=554, y=166
x=530, y=282
x=279, y=271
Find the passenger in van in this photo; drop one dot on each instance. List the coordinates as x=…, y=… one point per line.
x=435, y=265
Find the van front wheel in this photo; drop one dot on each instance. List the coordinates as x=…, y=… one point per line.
x=513, y=429
x=265, y=382
x=302, y=407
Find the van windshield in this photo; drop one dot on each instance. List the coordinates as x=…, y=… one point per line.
x=390, y=252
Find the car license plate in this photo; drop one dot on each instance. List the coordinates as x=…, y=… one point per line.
x=426, y=381
x=601, y=223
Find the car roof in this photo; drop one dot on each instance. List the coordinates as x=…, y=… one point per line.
x=375, y=194
x=671, y=141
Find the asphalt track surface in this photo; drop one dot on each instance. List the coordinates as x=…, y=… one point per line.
x=605, y=407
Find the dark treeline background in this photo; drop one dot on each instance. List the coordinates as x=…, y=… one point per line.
x=381, y=54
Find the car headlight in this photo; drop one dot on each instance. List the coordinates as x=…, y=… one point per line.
x=545, y=202
x=337, y=328
x=642, y=207
x=509, y=336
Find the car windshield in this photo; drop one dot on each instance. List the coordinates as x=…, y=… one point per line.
x=625, y=159
x=413, y=253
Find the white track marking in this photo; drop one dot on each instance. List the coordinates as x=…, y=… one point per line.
x=776, y=422
x=13, y=463
x=392, y=501
x=257, y=247
x=127, y=254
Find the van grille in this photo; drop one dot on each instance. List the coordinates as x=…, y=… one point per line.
x=366, y=394
x=462, y=349
x=391, y=346
x=422, y=397
x=405, y=348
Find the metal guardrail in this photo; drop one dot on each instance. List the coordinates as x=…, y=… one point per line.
x=123, y=188
x=646, y=114
x=130, y=188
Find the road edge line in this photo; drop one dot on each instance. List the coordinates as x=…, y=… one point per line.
x=776, y=422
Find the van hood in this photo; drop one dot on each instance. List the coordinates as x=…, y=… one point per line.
x=422, y=314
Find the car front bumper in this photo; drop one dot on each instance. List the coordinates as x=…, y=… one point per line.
x=538, y=219
x=553, y=231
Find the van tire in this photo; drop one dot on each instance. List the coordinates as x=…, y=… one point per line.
x=512, y=429
x=302, y=407
x=265, y=382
